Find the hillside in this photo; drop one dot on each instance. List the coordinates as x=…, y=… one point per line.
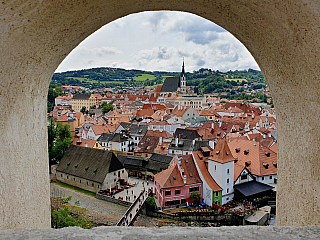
x=205, y=80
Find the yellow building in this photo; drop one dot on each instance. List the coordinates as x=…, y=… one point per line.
x=83, y=100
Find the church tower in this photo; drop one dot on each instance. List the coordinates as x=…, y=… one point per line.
x=183, y=83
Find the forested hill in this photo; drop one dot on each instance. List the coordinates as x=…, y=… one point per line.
x=204, y=79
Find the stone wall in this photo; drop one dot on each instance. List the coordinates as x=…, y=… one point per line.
x=35, y=36
x=113, y=200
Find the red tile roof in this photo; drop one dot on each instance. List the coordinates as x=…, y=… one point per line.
x=221, y=153
x=169, y=178
x=204, y=171
x=190, y=170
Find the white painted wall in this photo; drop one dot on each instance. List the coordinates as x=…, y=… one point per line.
x=225, y=179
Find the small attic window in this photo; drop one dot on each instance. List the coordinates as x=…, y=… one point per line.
x=267, y=154
x=76, y=165
x=190, y=175
x=218, y=134
x=95, y=171
x=68, y=164
x=86, y=168
x=237, y=150
x=246, y=152
x=227, y=153
x=186, y=161
x=248, y=163
x=266, y=165
x=274, y=164
x=217, y=152
x=174, y=178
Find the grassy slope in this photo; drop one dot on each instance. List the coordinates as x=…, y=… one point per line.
x=92, y=194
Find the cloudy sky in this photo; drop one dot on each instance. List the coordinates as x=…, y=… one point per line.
x=159, y=41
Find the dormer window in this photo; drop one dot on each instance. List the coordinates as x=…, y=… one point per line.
x=68, y=164
x=274, y=164
x=248, y=163
x=266, y=165
x=267, y=154
x=246, y=152
x=237, y=150
x=217, y=152
x=76, y=165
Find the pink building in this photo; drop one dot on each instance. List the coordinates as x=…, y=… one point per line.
x=174, y=185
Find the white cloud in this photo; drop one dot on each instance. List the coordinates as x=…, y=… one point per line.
x=159, y=41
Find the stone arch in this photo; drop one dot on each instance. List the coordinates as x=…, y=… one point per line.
x=37, y=35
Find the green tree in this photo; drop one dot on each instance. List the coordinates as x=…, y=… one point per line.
x=63, y=141
x=62, y=215
x=83, y=110
x=150, y=203
x=195, y=196
x=52, y=136
x=107, y=108
x=93, y=107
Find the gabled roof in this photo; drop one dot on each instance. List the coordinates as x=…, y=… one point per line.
x=169, y=178
x=221, y=153
x=145, y=113
x=81, y=96
x=84, y=142
x=190, y=170
x=147, y=144
x=171, y=84
x=89, y=163
x=158, y=133
x=106, y=137
x=186, y=133
x=258, y=159
x=204, y=171
x=161, y=158
x=138, y=129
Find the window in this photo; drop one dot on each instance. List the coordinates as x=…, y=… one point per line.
x=196, y=189
x=227, y=198
x=227, y=190
x=87, y=183
x=262, y=178
x=270, y=177
x=227, y=180
x=98, y=186
x=217, y=194
x=167, y=193
x=92, y=184
x=122, y=171
x=80, y=180
x=74, y=179
x=243, y=177
x=177, y=191
x=61, y=175
x=228, y=171
x=183, y=201
x=166, y=203
x=215, y=167
x=67, y=177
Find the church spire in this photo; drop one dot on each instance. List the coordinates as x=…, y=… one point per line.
x=182, y=73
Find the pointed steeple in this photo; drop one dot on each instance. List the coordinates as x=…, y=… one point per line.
x=182, y=73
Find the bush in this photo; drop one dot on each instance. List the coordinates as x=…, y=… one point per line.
x=150, y=203
x=62, y=216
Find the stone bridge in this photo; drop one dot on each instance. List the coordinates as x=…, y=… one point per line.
x=36, y=35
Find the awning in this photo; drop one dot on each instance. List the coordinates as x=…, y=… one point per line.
x=251, y=188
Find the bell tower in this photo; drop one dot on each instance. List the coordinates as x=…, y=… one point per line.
x=183, y=83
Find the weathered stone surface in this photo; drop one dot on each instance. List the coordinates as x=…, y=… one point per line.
x=35, y=36
x=141, y=233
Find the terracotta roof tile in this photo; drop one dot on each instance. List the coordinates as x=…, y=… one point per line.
x=204, y=171
x=169, y=178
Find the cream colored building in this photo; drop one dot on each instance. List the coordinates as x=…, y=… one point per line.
x=82, y=100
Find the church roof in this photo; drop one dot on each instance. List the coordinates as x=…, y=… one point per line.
x=171, y=84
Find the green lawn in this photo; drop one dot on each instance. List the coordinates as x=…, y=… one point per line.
x=144, y=77
x=92, y=194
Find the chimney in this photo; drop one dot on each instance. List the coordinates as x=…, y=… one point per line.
x=161, y=118
x=264, y=136
x=193, y=142
x=212, y=125
x=160, y=140
x=177, y=141
x=220, y=123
